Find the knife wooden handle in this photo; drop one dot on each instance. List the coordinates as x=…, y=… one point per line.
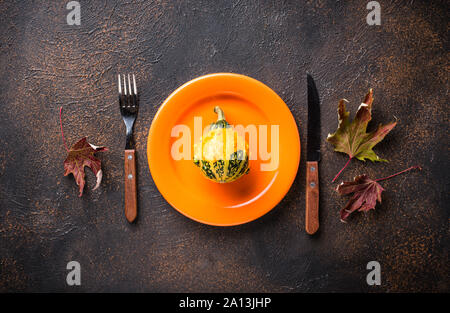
x=312, y=197
x=130, y=186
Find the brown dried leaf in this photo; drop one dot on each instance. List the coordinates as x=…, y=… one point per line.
x=80, y=155
x=365, y=191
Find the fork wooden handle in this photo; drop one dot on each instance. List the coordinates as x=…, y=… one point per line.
x=130, y=186
x=312, y=197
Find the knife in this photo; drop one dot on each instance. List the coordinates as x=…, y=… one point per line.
x=312, y=158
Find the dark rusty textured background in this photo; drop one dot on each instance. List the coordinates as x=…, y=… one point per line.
x=46, y=63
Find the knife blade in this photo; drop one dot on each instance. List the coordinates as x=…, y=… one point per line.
x=312, y=158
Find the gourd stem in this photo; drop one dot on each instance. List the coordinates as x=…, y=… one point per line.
x=219, y=112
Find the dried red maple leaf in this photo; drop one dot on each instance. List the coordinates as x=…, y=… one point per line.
x=81, y=154
x=352, y=138
x=366, y=193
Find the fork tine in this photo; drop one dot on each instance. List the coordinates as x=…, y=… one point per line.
x=134, y=83
x=125, y=85
x=120, y=87
x=126, y=92
x=129, y=85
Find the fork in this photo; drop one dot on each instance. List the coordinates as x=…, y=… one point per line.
x=129, y=105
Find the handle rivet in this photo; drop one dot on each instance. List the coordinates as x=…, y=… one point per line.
x=313, y=168
x=130, y=176
x=130, y=157
x=312, y=184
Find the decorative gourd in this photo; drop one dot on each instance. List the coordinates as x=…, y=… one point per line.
x=222, y=154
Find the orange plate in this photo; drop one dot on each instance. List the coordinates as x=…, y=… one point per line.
x=245, y=101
